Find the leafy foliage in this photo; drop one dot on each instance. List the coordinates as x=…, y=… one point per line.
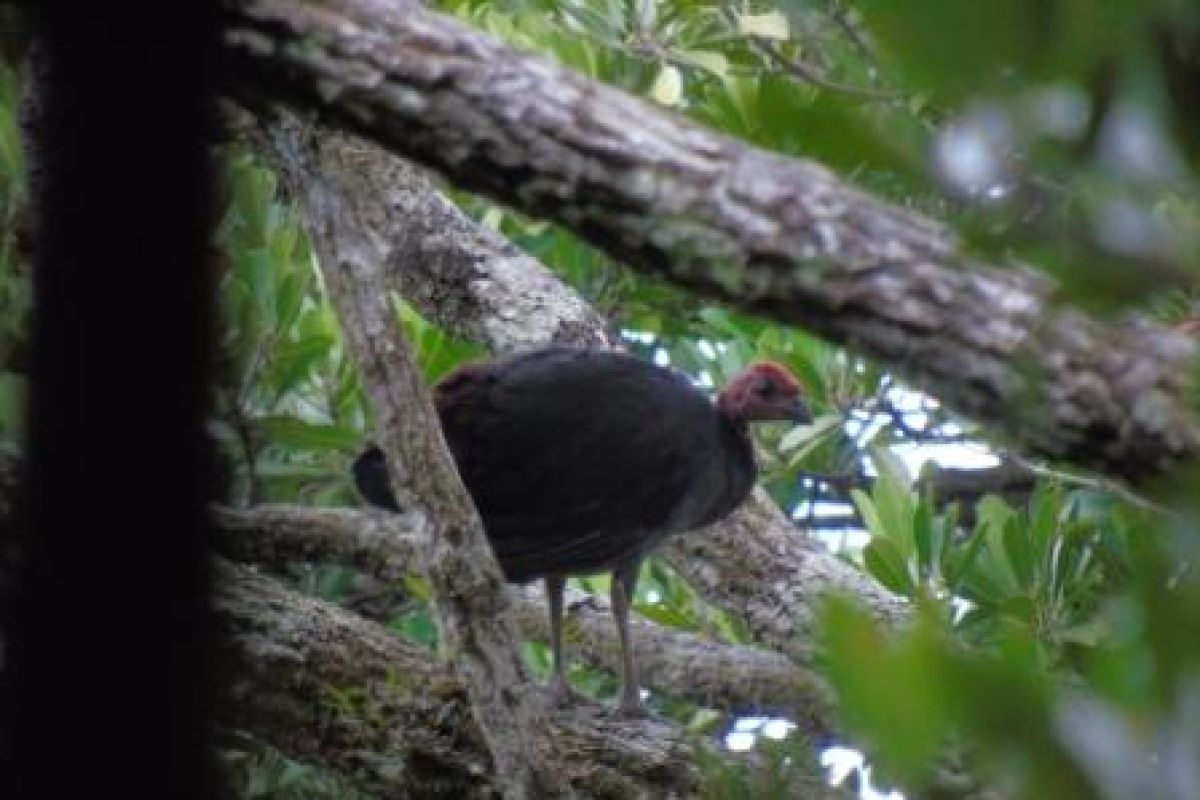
x=260, y=773
x=1035, y=648
x=1093, y=729
x=1055, y=647
x=786, y=768
x=290, y=409
x=288, y=399
x=1039, y=573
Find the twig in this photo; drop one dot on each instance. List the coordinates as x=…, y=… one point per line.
x=1093, y=482
x=811, y=74
x=838, y=15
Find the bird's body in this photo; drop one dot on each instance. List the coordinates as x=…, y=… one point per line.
x=582, y=461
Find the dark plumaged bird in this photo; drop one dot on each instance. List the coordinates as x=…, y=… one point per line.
x=582, y=461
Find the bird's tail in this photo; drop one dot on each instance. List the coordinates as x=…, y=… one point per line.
x=372, y=480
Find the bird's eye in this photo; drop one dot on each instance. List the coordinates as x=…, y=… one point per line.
x=764, y=389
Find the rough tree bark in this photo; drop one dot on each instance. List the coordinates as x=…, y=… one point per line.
x=759, y=566
x=469, y=594
x=734, y=678
x=463, y=276
x=782, y=237
x=326, y=685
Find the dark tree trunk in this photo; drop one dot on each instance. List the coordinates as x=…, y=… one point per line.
x=106, y=671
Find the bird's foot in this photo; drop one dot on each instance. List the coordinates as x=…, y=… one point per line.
x=563, y=696
x=630, y=706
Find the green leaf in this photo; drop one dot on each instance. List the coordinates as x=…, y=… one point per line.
x=991, y=513
x=275, y=470
x=289, y=300
x=1046, y=507
x=1019, y=551
x=255, y=264
x=1087, y=634
x=771, y=25
x=988, y=37
x=984, y=586
x=887, y=565
x=922, y=534
x=294, y=361
x=417, y=587
x=841, y=133
x=668, y=86
x=893, y=498
x=293, y=774
x=905, y=728
x=806, y=438
x=960, y=562
x=710, y=60
x=416, y=626
x=704, y=721
x=666, y=615
x=866, y=510
x=1019, y=608
x=295, y=432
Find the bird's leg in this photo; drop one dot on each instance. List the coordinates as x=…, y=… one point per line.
x=624, y=582
x=561, y=692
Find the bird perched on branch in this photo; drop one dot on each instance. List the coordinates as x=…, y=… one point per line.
x=582, y=461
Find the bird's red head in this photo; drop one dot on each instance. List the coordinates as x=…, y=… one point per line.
x=763, y=391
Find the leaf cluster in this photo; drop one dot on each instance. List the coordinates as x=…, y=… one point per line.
x=1051, y=643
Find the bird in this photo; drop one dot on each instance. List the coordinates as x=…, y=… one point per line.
x=582, y=461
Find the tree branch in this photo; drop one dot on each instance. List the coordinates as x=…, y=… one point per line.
x=679, y=664
x=1010, y=480
x=326, y=685
x=383, y=545
x=459, y=274
x=468, y=591
x=782, y=237
x=758, y=566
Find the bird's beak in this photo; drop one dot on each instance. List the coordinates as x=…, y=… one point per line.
x=798, y=412
x=791, y=409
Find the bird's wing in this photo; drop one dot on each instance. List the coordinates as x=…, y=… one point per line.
x=574, y=457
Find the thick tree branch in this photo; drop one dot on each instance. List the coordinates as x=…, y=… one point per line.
x=676, y=663
x=728, y=677
x=383, y=545
x=467, y=277
x=782, y=237
x=1009, y=479
x=459, y=274
x=469, y=597
x=756, y=564
x=326, y=685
